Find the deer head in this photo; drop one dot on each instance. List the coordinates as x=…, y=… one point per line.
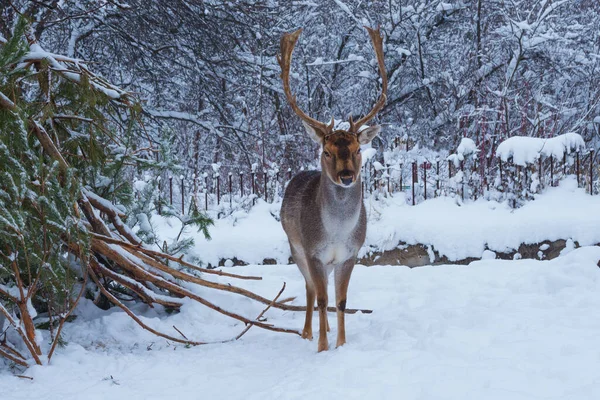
x=341, y=159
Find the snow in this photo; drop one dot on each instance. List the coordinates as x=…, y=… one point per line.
x=105, y=203
x=319, y=61
x=184, y=116
x=466, y=147
x=346, y=9
x=444, y=7
x=403, y=52
x=488, y=255
x=459, y=231
x=56, y=61
x=527, y=150
x=490, y=330
x=251, y=237
x=12, y=290
x=367, y=153
x=455, y=230
x=523, y=25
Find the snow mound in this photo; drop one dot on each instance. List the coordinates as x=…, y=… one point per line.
x=466, y=148
x=527, y=150
x=457, y=231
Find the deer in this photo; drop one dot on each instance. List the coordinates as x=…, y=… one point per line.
x=322, y=212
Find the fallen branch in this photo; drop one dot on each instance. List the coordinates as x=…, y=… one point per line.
x=147, y=295
x=142, y=274
x=7, y=103
x=13, y=358
x=118, y=303
x=17, y=327
x=227, y=288
x=169, y=257
x=113, y=214
x=262, y=313
x=181, y=333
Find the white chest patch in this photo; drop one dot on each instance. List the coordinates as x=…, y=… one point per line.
x=337, y=247
x=334, y=253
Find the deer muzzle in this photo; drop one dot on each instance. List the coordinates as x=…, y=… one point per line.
x=346, y=177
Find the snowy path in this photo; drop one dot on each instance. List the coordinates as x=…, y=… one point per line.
x=492, y=330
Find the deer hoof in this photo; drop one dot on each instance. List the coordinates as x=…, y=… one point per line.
x=340, y=342
x=323, y=346
x=306, y=334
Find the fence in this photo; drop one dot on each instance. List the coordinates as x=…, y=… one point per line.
x=221, y=192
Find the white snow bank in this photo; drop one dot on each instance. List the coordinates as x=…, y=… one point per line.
x=456, y=231
x=250, y=237
x=460, y=231
x=527, y=150
x=491, y=330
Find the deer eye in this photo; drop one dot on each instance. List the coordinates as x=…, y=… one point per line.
x=327, y=154
x=358, y=151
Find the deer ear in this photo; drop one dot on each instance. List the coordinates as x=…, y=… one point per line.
x=366, y=135
x=315, y=134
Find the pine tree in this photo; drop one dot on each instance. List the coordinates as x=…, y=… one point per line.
x=70, y=146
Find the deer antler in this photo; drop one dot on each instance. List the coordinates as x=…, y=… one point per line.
x=288, y=41
x=376, y=39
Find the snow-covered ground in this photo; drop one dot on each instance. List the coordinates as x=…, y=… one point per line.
x=453, y=229
x=494, y=329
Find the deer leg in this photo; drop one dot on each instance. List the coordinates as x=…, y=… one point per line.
x=302, y=263
x=319, y=280
x=322, y=305
x=310, y=305
x=342, y=279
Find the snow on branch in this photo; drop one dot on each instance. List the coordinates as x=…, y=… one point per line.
x=72, y=69
x=6, y=102
x=465, y=148
x=527, y=150
x=346, y=9
x=319, y=61
x=183, y=116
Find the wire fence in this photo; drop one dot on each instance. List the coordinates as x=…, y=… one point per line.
x=223, y=191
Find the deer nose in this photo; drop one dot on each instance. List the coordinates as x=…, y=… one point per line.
x=347, y=178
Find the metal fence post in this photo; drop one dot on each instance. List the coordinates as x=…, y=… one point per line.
x=551, y=171
x=241, y=184
x=414, y=178
x=437, y=173
x=182, y=196
x=170, y=190
x=218, y=179
x=591, y=172
x=230, y=175
x=578, y=172
x=265, y=185
x=206, y=191
x=425, y=178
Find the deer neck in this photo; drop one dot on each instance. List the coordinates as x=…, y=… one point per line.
x=339, y=203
